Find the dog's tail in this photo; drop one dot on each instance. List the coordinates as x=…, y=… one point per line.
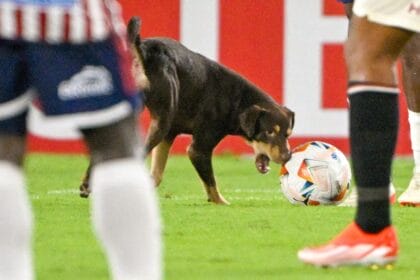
x=133, y=35
x=134, y=40
x=133, y=31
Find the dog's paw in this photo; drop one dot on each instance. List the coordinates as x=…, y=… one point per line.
x=215, y=197
x=219, y=201
x=84, y=190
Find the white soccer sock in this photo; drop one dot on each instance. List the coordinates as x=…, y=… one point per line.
x=414, y=120
x=126, y=217
x=15, y=225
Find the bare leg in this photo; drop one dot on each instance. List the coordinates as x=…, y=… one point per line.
x=376, y=63
x=411, y=73
x=371, y=54
x=12, y=148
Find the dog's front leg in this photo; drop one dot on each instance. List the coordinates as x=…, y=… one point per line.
x=201, y=159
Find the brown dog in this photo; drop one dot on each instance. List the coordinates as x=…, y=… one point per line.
x=187, y=93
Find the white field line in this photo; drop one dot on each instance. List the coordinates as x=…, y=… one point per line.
x=253, y=191
x=188, y=197
x=63, y=191
x=229, y=197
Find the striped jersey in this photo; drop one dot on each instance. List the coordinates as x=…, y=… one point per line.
x=60, y=21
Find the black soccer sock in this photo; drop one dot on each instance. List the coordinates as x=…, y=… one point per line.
x=373, y=136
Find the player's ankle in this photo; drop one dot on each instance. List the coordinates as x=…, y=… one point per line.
x=416, y=174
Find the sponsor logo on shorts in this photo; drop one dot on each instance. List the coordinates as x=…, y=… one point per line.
x=91, y=81
x=414, y=9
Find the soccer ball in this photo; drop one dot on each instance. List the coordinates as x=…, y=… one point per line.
x=317, y=173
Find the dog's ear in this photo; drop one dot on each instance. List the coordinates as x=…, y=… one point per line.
x=248, y=120
x=291, y=116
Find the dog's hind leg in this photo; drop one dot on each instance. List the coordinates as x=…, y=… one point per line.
x=200, y=155
x=160, y=155
x=84, y=189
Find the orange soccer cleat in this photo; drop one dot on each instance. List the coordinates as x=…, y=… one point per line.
x=354, y=247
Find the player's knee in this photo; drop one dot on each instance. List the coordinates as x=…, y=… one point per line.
x=369, y=64
x=12, y=148
x=355, y=56
x=115, y=141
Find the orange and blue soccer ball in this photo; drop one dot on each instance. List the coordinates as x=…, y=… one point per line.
x=317, y=173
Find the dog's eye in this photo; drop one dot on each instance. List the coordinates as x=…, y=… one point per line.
x=271, y=134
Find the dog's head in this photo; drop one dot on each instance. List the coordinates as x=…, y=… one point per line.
x=268, y=129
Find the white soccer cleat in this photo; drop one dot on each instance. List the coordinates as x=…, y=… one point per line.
x=351, y=200
x=411, y=196
x=353, y=246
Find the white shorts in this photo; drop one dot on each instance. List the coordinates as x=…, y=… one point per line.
x=398, y=13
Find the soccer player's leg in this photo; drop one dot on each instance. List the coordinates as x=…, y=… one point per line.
x=371, y=52
x=125, y=210
x=96, y=93
x=15, y=210
x=411, y=67
x=124, y=206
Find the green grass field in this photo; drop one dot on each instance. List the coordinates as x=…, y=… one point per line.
x=256, y=237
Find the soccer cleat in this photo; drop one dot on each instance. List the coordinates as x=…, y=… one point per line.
x=355, y=247
x=351, y=200
x=411, y=196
